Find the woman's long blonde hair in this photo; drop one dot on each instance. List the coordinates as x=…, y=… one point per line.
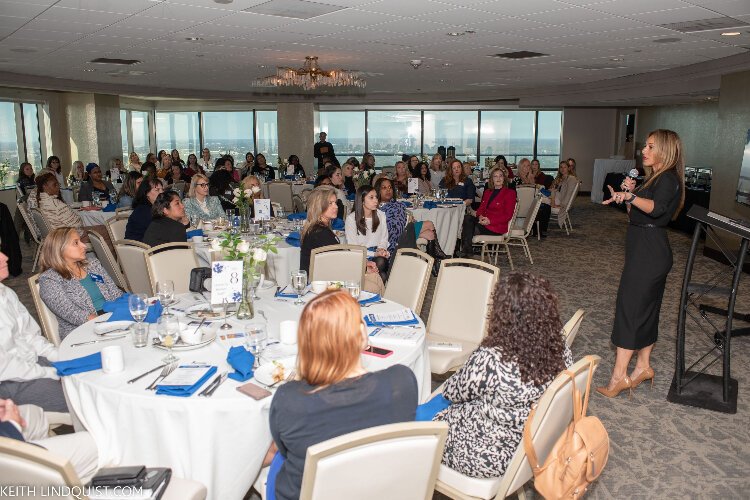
x=668, y=150
x=246, y=185
x=51, y=254
x=317, y=203
x=330, y=338
x=196, y=178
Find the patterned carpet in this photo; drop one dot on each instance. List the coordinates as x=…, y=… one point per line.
x=658, y=449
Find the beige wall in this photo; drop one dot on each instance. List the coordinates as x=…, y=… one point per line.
x=108, y=129
x=588, y=134
x=296, y=127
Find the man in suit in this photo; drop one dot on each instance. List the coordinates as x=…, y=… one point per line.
x=28, y=423
x=322, y=149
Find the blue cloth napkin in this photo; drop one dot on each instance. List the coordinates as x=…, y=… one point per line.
x=350, y=197
x=370, y=321
x=290, y=178
x=311, y=182
x=121, y=311
x=297, y=216
x=242, y=361
x=288, y=295
x=194, y=232
x=111, y=207
x=431, y=408
x=405, y=203
x=79, y=365
x=293, y=239
x=185, y=391
x=451, y=202
x=374, y=298
x=546, y=192
x=429, y=205
x=337, y=224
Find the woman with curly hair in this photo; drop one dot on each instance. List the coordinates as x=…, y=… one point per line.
x=490, y=397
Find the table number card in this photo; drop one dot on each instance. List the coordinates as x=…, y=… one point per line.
x=262, y=209
x=226, y=282
x=413, y=185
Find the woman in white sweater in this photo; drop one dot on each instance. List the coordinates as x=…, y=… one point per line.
x=366, y=227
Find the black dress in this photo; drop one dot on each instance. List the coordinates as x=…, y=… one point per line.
x=648, y=259
x=318, y=236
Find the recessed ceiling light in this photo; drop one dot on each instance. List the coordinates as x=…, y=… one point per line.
x=88, y=70
x=469, y=32
x=223, y=1
x=193, y=39
x=731, y=33
x=454, y=33
x=616, y=59
x=447, y=64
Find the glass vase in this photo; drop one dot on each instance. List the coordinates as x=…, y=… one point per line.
x=246, y=308
x=244, y=218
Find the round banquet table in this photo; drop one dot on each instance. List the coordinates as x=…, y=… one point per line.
x=95, y=217
x=448, y=221
x=219, y=441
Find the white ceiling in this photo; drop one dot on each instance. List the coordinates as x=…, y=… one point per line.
x=51, y=41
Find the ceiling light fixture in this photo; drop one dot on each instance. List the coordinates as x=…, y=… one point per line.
x=454, y=33
x=310, y=77
x=193, y=39
x=731, y=33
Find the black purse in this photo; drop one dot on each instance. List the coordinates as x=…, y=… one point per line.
x=198, y=276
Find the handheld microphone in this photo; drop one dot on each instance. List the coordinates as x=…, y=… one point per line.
x=633, y=174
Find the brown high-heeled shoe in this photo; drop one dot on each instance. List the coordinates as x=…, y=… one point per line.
x=624, y=383
x=646, y=374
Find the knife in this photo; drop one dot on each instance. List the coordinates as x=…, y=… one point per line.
x=216, y=386
x=210, y=385
x=99, y=340
x=132, y=380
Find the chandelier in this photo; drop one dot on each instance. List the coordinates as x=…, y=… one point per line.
x=310, y=77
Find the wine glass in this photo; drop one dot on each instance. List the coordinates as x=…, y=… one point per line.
x=168, y=330
x=165, y=292
x=138, y=306
x=353, y=288
x=299, y=283
x=256, y=339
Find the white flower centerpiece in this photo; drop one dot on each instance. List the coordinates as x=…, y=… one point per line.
x=362, y=177
x=242, y=200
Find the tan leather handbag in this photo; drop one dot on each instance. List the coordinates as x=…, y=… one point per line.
x=577, y=458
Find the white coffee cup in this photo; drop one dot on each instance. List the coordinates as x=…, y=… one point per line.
x=208, y=226
x=112, y=359
x=85, y=203
x=318, y=286
x=288, y=332
x=197, y=239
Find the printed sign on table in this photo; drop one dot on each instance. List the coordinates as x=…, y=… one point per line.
x=262, y=209
x=226, y=281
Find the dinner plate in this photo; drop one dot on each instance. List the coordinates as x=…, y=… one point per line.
x=264, y=373
x=207, y=338
x=195, y=311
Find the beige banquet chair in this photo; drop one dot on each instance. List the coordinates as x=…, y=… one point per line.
x=561, y=215
x=460, y=305
x=116, y=228
x=132, y=257
x=171, y=261
x=409, y=278
x=526, y=195
x=47, y=319
x=281, y=192
x=554, y=412
x=518, y=237
x=33, y=231
x=33, y=466
x=395, y=461
x=494, y=245
x=104, y=254
x=570, y=329
x=338, y=263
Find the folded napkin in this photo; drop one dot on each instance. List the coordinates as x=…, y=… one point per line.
x=370, y=321
x=337, y=224
x=311, y=182
x=185, y=391
x=297, y=216
x=374, y=298
x=546, y=192
x=426, y=411
x=293, y=239
x=194, y=232
x=290, y=178
x=242, y=361
x=451, y=202
x=429, y=205
x=111, y=207
x=284, y=294
x=350, y=197
x=121, y=311
x=79, y=365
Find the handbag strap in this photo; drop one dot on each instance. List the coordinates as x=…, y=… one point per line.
x=585, y=407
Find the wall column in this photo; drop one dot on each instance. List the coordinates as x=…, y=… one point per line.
x=93, y=125
x=296, y=132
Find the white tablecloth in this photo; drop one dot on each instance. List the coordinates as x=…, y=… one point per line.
x=95, y=217
x=219, y=441
x=602, y=167
x=448, y=222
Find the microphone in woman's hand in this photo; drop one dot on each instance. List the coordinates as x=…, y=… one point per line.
x=633, y=174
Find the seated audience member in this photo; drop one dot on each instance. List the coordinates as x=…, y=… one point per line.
x=78, y=171
x=25, y=354
x=317, y=232
x=53, y=209
x=299, y=170
x=494, y=213
x=152, y=158
x=458, y=184
x=192, y=167
x=199, y=205
x=53, y=165
x=347, y=170
x=501, y=161
x=253, y=184
x=225, y=163
x=168, y=223
x=71, y=286
x=220, y=185
x=437, y=170
x=165, y=165
x=140, y=219
x=563, y=187
x=324, y=180
x=95, y=186
x=366, y=227
x=205, y=161
x=175, y=177
x=134, y=162
x=29, y=424
x=424, y=184
x=525, y=176
x=129, y=187
x=539, y=176
x=401, y=179
x=148, y=169
x=491, y=395
x=412, y=164
x=336, y=175
x=26, y=177
x=176, y=160
x=246, y=167
x=572, y=167
x=115, y=170
x=468, y=170
x=263, y=170
x=334, y=394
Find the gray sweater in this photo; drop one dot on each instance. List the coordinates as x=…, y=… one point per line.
x=69, y=301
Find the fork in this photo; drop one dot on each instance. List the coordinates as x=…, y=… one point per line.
x=165, y=371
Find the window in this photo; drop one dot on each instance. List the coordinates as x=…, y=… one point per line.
x=346, y=131
x=451, y=128
x=178, y=131
x=8, y=137
x=549, y=126
x=267, y=134
x=124, y=135
x=507, y=133
x=392, y=134
x=141, y=144
x=228, y=133
x=31, y=136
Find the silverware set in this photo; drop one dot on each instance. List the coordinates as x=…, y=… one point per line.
x=132, y=380
x=164, y=372
x=215, y=383
x=373, y=303
x=98, y=340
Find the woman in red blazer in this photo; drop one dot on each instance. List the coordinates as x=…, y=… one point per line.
x=494, y=213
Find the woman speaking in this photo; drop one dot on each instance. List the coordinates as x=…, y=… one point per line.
x=648, y=258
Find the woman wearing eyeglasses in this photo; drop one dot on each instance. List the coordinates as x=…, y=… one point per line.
x=199, y=205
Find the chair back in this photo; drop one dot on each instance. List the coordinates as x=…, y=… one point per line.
x=29, y=220
x=132, y=257
x=394, y=461
x=171, y=261
x=41, y=223
x=34, y=466
x=573, y=196
x=116, y=228
x=47, y=320
x=179, y=188
x=123, y=212
x=281, y=192
x=528, y=223
x=525, y=196
x=388, y=170
x=554, y=411
x=104, y=254
x=570, y=329
x=338, y=263
x=462, y=299
x=409, y=277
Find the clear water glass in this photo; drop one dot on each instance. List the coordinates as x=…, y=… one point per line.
x=165, y=293
x=256, y=339
x=168, y=330
x=353, y=288
x=138, y=306
x=298, y=281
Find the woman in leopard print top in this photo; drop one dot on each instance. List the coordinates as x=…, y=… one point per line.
x=492, y=394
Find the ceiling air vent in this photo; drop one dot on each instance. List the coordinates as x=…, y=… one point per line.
x=521, y=54
x=296, y=9
x=714, y=23
x=597, y=67
x=121, y=62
